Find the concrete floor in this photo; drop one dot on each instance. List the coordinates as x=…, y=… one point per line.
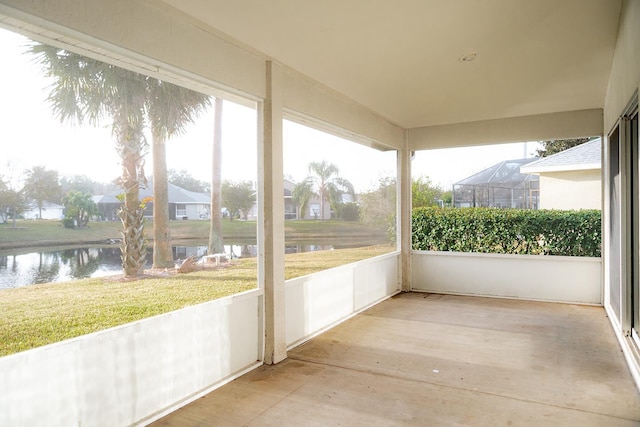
x=435, y=360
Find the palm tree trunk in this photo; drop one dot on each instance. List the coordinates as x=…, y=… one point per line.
x=323, y=196
x=215, y=229
x=162, y=255
x=131, y=214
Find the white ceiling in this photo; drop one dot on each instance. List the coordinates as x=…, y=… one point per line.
x=400, y=58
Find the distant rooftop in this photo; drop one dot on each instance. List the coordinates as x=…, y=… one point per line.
x=504, y=174
x=582, y=157
x=176, y=195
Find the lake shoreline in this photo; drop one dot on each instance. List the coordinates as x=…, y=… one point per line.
x=47, y=234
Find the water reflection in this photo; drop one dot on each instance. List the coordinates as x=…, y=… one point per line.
x=17, y=270
x=21, y=269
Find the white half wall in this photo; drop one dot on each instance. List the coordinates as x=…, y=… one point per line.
x=533, y=277
x=133, y=373
x=321, y=300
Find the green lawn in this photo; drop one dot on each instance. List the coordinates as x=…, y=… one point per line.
x=36, y=315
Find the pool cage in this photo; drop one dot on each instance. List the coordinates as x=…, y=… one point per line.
x=500, y=186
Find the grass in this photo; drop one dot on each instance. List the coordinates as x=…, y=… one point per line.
x=37, y=315
x=304, y=263
x=51, y=233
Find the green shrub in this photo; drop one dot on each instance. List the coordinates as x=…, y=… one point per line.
x=68, y=222
x=507, y=231
x=350, y=212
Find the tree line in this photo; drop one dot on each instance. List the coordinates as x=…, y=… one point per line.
x=40, y=185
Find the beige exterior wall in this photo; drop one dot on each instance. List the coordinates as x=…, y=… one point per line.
x=571, y=190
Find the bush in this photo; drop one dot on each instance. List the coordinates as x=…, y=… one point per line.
x=350, y=212
x=68, y=222
x=508, y=231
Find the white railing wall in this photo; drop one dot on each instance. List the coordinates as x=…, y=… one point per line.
x=320, y=300
x=534, y=277
x=133, y=373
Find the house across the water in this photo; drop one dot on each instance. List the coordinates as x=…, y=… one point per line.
x=183, y=204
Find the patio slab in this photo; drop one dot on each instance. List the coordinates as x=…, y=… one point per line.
x=425, y=359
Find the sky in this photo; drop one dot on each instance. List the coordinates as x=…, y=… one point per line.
x=32, y=137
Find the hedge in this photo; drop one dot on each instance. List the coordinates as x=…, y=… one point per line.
x=508, y=231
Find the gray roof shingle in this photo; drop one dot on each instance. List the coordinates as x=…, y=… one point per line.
x=582, y=157
x=176, y=195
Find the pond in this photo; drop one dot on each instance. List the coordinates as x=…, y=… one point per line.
x=22, y=268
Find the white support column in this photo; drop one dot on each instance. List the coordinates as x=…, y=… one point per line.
x=403, y=222
x=271, y=218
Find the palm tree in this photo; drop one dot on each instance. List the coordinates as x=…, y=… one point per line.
x=87, y=89
x=301, y=194
x=215, y=229
x=169, y=109
x=324, y=178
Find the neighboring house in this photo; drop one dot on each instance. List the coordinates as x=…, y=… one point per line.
x=499, y=186
x=570, y=179
x=183, y=204
x=291, y=211
x=313, y=210
x=49, y=211
x=108, y=205
x=290, y=208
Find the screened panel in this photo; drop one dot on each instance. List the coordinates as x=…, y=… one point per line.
x=500, y=186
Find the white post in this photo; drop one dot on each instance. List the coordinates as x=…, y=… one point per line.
x=403, y=223
x=271, y=218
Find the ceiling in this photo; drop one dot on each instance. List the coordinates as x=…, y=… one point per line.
x=401, y=58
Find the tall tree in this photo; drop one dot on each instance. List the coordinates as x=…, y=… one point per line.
x=238, y=198
x=12, y=201
x=324, y=178
x=85, y=184
x=79, y=206
x=425, y=193
x=169, y=108
x=557, y=145
x=185, y=180
x=4, y=201
x=80, y=183
x=42, y=185
x=378, y=206
x=301, y=194
x=215, y=229
x=85, y=89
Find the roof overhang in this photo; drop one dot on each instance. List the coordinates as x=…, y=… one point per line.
x=537, y=170
x=409, y=60
x=390, y=75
